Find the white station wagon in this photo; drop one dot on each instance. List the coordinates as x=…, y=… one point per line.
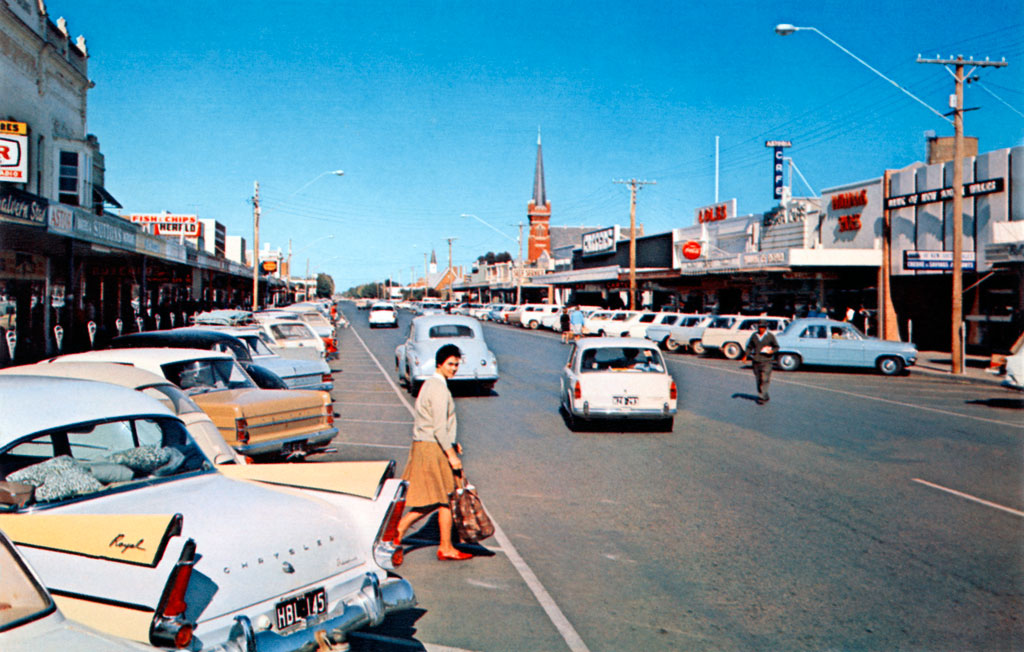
x=134, y=531
x=617, y=378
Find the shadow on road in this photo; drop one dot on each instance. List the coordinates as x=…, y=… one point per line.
x=1007, y=403
x=749, y=397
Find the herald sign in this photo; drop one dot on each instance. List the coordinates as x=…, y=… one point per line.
x=13, y=152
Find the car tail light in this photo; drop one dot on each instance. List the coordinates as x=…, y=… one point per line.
x=672, y=391
x=327, y=378
x=386, y=552
x=329, y=412
x=578, y=392
x=169, y=627
x=242, y=431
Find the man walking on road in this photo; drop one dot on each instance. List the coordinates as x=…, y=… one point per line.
x=576, y=323
x=761, y=349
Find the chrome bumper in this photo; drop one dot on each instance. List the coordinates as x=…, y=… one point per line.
x=366, y=607
x=275, y=445
x=615, y=413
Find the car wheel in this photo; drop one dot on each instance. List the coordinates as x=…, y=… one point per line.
x=732, y=350
x=533, y=324
x=697, y=347
x=600, y=333
x=789, y=362
x=670, y=345
x=890, y=366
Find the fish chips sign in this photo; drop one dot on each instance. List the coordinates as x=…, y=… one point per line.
x=13, y=151
x=168, y=224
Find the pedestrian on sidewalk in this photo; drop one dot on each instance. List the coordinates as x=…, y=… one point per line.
x=434, y=456
x=761, y=349
x=576, y=323
x=564, y=322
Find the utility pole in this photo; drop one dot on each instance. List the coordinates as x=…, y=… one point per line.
x=519, y=270
x=451, y=272
x=256, y=246
x=634, y=185
x=956, y=352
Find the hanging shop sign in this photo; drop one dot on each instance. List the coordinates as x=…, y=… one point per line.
x=22, y=207
x=936, y=260
x=715, y=212
x=269, y=266
x=599, y=243
x=168, y=224
x=105, y=230
x=973, y=189
x=21, y=266
x=13, y=151
x=777, y=146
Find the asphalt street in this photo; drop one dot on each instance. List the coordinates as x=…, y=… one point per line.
x=853, y=511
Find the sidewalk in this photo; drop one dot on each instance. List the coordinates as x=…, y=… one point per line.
x=938, y=363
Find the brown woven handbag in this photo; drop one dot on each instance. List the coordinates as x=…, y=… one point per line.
x=468, y=514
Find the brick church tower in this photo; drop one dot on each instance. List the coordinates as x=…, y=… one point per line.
x=539, y=211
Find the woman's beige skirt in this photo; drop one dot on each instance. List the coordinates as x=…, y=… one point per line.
x=429, y=475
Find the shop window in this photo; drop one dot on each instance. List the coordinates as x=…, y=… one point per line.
x=68, y=178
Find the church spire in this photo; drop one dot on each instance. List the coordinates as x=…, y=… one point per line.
x=539, y=196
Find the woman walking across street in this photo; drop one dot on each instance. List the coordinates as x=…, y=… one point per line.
x=563, y=321
x=434, y=456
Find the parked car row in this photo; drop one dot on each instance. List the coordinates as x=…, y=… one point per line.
x=124, y=483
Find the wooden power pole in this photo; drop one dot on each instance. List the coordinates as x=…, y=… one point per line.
x=956, y=349
x=634, y=185
x=256, y=246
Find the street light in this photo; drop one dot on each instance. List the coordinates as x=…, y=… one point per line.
x=887, y=310
x=339, y=173
x=518, y=241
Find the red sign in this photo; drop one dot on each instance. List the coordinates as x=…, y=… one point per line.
x=691, y=250
x=847, y=200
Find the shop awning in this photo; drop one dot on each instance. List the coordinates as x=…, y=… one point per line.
x=99, y=193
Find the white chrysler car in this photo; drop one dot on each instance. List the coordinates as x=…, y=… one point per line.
x=136, y=533
x=617, y=378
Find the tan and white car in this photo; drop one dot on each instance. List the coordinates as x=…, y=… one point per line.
x=730, y=333
x=253, y=421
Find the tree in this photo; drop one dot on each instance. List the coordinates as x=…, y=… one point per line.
x=324, y=285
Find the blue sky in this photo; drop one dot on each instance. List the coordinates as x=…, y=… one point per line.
x=432, y=110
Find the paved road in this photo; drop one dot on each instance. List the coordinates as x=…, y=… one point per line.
x=852, y=512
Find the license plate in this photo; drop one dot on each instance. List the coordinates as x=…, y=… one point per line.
x=293, y=447
x=297, y=609
x=625, y=400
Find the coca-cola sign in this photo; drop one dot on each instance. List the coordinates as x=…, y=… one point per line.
x=691, y=250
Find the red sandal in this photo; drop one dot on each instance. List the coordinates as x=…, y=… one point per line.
x=458, y=556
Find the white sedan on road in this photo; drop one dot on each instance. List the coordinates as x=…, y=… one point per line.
x=617, y=378
x=383, y=315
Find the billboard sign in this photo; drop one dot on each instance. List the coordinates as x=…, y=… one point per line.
x=598, y=243
x=168, y=224
x=715, y=212
x=972, y=189
x=936, y=260
x=13, y=151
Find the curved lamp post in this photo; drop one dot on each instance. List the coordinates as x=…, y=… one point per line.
x=339, y=173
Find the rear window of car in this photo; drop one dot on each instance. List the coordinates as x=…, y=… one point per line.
x=85, y=459
x=628, y=358
x=290, y=331
x=450, y=330
x=200, y=376
x=721, y=322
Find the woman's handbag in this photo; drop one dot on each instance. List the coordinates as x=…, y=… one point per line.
x=468, y=515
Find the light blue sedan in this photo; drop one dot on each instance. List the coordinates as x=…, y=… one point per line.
x=816, y=341
x=414, y=358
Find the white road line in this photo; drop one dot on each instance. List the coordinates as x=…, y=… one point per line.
x=558, y=619
x=392, y=405
x=971, y=498
x=1015, y=424
x=336, y=443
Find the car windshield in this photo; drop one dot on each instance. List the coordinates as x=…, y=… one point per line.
x=450, y=330
x=257, y=347
x=21, y=598
x=290, y=331
x=626, y=358
x=201, y=376
x=86, y=459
